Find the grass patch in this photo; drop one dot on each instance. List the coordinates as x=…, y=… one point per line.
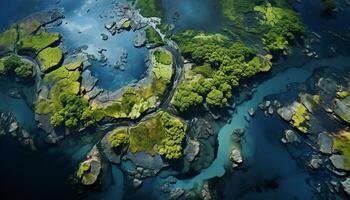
x=8, y=39
x=163, y=57
x=153, y=37
x=206, y=70
x=163, y=133
x=39, y=41
x=50, y=58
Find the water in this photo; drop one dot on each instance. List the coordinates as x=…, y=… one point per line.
x=83, y=25
x=276, y=84
x=193, y=14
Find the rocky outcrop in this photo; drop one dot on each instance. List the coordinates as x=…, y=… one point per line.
x=346, y=186
x=90, y=169
x=151, y=165
x=290, y=137
x=325, y=143
x=236, y=156
x=176, y=193
x=111, y=155
x=287, y=112
x=88, y=81
x=338, y=162
x=342, y=109
x=140, y=39
x=191, y=150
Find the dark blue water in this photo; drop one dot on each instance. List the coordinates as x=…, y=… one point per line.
x=193, y=14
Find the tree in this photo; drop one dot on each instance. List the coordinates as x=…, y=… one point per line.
x=185, y=98
x=216, y=98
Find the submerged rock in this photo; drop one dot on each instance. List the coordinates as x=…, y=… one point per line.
x=176, y=193
x=338, y=162
x=346, y=186
x=290, y=136
x=140, y=39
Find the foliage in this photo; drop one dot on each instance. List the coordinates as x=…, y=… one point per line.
x=8, y=39
x=24, y=71
x=39, y=41
x=75, y=112
x=28, y=27
x=341, y=143
x=14, y=64
x=185, y=98
x=163, y=57
x=300, y=118
x=50, y=57
x=150, y=8
x=153, y=37
x=216, y=98
x=284, y=26
x=118, y=137
x=162, y=131
x=222, y=62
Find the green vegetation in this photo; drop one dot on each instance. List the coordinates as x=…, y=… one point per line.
x=138, y=99
x=150, y=8
x=118, y=137
x=14, y=64
x=39, y=41
x=50, y=58
x=330, y=5
x=300, y=118
x=28, y=27
x=75, y=112
x=8, y=39
x=163, y=57
x=222, y=64
x=342, y=94
x=283, y=26
x=65, y=102
x=163, y=133
x=342, y=143
x=83, y=168
x=153, y=37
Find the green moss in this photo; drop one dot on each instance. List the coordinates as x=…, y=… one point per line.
x=162, y=132
x=39, y=41
x=153, y=37
x=83, y=168
x=14, y=65
x=118, y=137
x=28, y=27
x=50, y=58
x=342, y=143
x=342, y=94
x=25, y=71
x=163, y=57
x=150, y=8
x=43, y=107
x=206, y=70
x=68, y=71
x=300, y=118
x=8, y=39
x=126, y=24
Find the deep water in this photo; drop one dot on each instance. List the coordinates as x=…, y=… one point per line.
x=272, y=173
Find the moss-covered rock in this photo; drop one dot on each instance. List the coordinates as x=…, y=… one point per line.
x=162, y=133
x=147, y=94
x=300, y=118
x=50, y=58
x=341, y=143
x=8, y=40
x=39, y=41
